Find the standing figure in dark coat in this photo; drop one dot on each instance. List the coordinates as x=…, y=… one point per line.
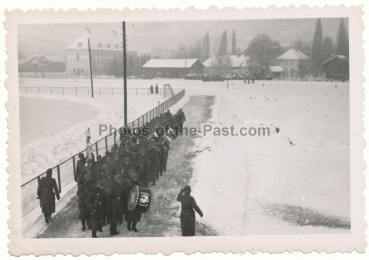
x=80, y=164
x=116, y=205
x=154, y=163
x=151, y=89
x=144, y=174
x=96, y=203
x=84, y=214
x=181, y=119
x=156, y=89
x=134, y=216
x=46, y=192
x=189, y=206
x=125, y=167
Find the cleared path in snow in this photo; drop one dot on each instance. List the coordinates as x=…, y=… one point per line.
x=41, y=117
x=163, y=220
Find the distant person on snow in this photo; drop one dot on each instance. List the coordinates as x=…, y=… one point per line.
x=151, y=90
x=181, y=120
x=156, y=89
x=189, y=207
x=46, y=192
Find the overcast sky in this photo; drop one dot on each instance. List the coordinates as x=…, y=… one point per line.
x=143, y=36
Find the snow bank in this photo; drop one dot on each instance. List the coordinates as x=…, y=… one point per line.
x=51, y=150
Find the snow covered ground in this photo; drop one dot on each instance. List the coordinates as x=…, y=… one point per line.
x=58, y=146
x=300, y=174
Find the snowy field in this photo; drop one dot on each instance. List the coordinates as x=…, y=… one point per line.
x=299, y=174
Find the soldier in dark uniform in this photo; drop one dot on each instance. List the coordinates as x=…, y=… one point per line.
x=134, y=216
x=84, y=214
x=96, y=203
x=154, y=160
x=144, y=174
x=156, y=89
x=151, y=89
x=116, y=204
x=126, y=166
x=189, y=207
x=136, y=162
x=166, y=144
x=160, y=151
x=108, y=185
x=46, y=192
x=80, y=164
x=181, y=119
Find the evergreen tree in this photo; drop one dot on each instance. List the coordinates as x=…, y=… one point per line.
x=342, y=47
x=234, y=44
x=223, y=44
x=328, y=48
x=205, y=52
x=316, y=54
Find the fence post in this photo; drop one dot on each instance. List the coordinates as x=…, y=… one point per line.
x=112, y=91
x=63, y=90
x=88, y=91
x=59, y=182
x=136, y=91
x=100, y=91
x=74, y=168
x=76, y=90
x=106, y=144
x=97, y=149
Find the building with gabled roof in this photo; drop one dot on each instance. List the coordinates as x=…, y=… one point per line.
x=336, y=67
x=103, y=54
x=226, y=64
x=43, y=62
x=294, y=63
x=171, y=68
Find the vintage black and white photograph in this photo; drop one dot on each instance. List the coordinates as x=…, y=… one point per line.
x=185, y=128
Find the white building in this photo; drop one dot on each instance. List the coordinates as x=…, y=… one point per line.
x=102, y=56
x=293, y=62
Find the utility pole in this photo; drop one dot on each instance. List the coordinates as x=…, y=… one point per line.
x=89, y=55
x=124, y=72
x=36, y=58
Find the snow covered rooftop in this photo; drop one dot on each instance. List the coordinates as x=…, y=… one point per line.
x=276, y=69
x=341, y=57
x=170, y=63
x=293, y=54
x=235, y=61
x=47, y=56
x=82, y=44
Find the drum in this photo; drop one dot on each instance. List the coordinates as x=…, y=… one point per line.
x=140, y=199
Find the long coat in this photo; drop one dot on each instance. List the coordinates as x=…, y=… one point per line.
x=116, y=198
x=143, y=176
x=80, y=164
x=154, y=163
x=46, y=191
x=96, y=202
x=84, y=214
x=188, y=213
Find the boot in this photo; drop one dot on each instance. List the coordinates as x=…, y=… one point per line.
x=94, y=234
x=129, y=226
x=134, y=227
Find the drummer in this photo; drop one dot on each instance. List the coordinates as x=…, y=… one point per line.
x=134, y=216
x=187, y=213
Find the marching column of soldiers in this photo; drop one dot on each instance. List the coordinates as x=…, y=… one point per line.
x=139, y=159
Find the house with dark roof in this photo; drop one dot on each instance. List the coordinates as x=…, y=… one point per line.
x=336, y=67
x=44, y=62
x=102, y=55
x=294, y=64
x=171, y=68
x=226, y=64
